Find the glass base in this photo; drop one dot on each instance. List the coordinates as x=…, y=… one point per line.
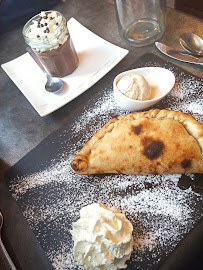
x=143, y=32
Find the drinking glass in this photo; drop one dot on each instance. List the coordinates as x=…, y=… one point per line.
x=140, y=22
x=54, y=47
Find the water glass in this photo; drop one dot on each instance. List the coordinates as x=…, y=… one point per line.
x=141, y=22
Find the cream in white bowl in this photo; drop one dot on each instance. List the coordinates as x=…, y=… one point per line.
x=160, y=80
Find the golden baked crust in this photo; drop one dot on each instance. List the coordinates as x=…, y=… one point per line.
x=152, y=142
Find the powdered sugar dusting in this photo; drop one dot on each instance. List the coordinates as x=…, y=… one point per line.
x=159, y=210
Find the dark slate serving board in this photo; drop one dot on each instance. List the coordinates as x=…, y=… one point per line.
x=163, y=209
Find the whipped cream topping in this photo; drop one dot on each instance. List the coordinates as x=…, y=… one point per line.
x=47, y=31
x=102, y=238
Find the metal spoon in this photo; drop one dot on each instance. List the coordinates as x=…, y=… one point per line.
x=53, y=84
x=3, y=253
x=192, y=43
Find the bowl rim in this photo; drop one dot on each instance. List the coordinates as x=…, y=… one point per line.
x=122, y=74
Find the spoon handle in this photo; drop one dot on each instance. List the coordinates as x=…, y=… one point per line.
x=34, y=56
x=6, y=258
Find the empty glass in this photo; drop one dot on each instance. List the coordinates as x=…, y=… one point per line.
x=141, y=22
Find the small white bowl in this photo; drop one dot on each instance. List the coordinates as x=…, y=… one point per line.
x=161, y=81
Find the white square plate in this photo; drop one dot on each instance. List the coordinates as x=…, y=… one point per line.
x=96, y=58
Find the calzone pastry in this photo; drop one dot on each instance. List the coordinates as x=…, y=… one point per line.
x=152, y=142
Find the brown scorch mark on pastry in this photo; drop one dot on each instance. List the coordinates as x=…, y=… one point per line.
x=79, y=164
x=75, y=166
x=116, y=117
x=152, y=148
x=186, y=163
x=136, y=129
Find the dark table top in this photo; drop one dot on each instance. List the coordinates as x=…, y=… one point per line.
x=22, y=129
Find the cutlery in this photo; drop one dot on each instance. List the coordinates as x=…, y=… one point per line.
x=3, y=253
x=53, y=84
x=175, y=54
x=192, y=43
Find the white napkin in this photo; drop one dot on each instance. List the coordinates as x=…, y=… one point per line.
x=96, y=58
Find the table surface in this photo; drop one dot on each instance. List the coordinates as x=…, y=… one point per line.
x=21, y=128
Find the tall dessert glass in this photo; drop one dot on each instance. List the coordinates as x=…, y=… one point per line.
x=47, y=34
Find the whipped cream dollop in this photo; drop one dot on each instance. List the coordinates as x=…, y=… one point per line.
x=102, y=238
x=47, y=32
x=135, y=87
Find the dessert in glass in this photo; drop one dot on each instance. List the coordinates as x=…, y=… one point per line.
x=48, y=36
